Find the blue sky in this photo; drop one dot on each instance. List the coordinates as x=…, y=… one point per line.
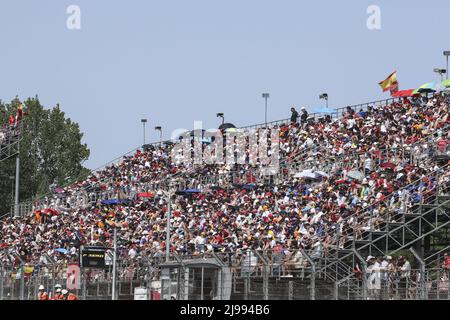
x=176, y=61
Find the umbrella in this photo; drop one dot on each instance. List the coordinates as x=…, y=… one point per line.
x=357, y=175
x=404, y=93
x=227, y=126
x=323, y=174
x=146, y=195
x=188, y=191
x=446, y=83
x=59, y=190
x=324, y=110
x=112, y=201
x=388, y=165
x=427, y=87
x=250, y=186
x=305, y=174
x=62, y=250
x=192, y=191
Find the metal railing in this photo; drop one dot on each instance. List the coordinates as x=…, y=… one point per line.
x=255, y=275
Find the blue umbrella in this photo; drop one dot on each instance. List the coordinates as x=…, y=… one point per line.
x=62, y=250
x=250, y=186
x=324, y=110
x=111, y=201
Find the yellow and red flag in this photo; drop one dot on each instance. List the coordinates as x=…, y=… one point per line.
x=390, y=83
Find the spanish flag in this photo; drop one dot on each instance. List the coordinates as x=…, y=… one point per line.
x=390, y=83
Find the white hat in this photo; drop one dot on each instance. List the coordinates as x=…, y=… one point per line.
x=41, y=287
x=58, y=285
x=369, y=258
x=64, y=291
x=388, y=258
x=58, y=290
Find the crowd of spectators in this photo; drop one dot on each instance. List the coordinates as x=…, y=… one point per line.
x=298, y=212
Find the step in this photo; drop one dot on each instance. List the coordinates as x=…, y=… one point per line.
x=379, y=233
x=412, y=215
x=395, y=224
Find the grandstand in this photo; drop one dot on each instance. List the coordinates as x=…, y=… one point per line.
x=360, y=209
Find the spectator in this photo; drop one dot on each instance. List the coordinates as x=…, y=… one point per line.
x=294, y=115
x=42, y=294
x=304, y=116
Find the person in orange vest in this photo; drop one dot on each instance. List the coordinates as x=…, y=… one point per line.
x=42, y=295
x=56, y=292
x=58, y=295
x=69, y=296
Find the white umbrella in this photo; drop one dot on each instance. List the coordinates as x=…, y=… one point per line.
x=323, y=174
x=306, y=174
x=358, y=175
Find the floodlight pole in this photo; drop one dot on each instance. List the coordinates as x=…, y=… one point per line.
x=144, y=121
x=447, y=67
x=265, y=96
x=446, y=54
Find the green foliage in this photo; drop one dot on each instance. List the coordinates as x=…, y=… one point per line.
x=51, y=152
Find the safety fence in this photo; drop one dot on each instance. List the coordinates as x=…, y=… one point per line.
x=248, y=275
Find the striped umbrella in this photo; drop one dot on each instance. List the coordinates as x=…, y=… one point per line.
x=446, y=83
x=427, y=87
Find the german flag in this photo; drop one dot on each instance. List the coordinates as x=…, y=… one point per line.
x=390, y=83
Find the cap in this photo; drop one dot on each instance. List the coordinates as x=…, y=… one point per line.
x=41, y=287
x=64, y=291
x=370, y=258
x=58, y=290
x=58, y=286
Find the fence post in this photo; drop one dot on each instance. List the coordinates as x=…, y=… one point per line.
x=1, y=281
x=422, y=273
x=246, y=282
x=22, y=281
x=83, y=285
x=336, y=290
x=313, y=275
x=364, y=278
x=291, y=290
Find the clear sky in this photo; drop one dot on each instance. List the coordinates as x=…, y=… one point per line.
x=176, y=61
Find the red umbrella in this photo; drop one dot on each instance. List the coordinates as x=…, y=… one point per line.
x=404, y=94
x=146, y=195
x=388, y=165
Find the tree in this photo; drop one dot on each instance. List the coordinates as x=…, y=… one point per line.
x=51, y=152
